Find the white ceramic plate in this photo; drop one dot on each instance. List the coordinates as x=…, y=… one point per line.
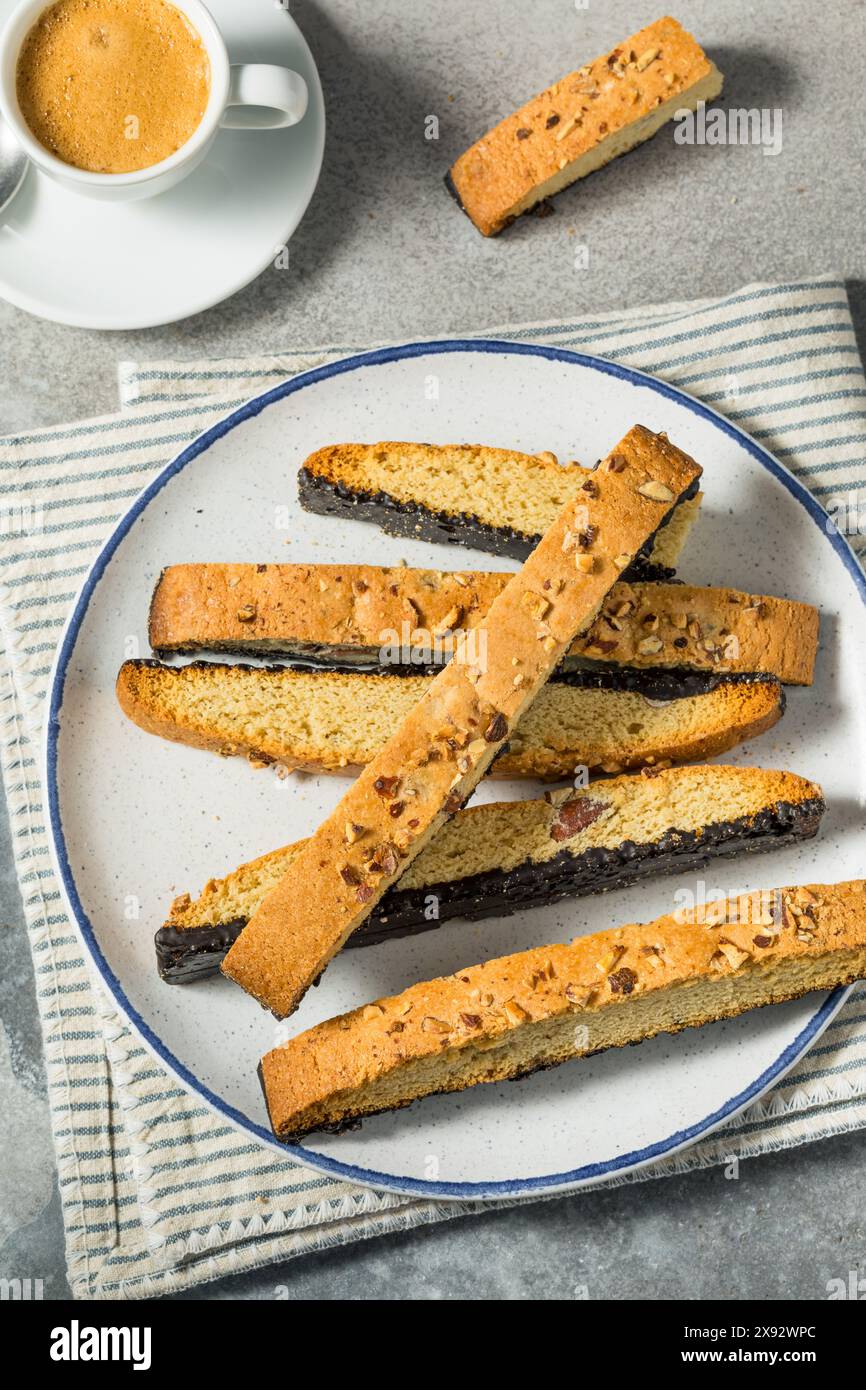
x=134, y=265
x=137, y=818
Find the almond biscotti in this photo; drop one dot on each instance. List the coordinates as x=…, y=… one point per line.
x=327, y=721
x=467, y=494
x=541, y=1007
x=581, y=123
x=374, y=617
x=432, y=763
x=499, y=858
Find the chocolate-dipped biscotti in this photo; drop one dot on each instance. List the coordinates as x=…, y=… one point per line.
x=581, y=123
x=499, y=858
x=433, y=761
x=370, y=617
x=467, y=494
x=538, y=1008
x=327, y=721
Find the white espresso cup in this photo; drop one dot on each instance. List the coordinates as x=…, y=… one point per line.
x=243, y=96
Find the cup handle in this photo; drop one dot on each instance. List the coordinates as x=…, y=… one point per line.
x=264, y=97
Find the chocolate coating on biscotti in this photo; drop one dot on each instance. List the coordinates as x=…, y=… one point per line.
x=413, y=521
x=187, y=954
x=654, y=684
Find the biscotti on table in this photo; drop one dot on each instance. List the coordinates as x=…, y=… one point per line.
x=582, y=122
x=468, y=494
x=327, y=721
x=499, y=858
x=434, y=760
x=396, y=618
x=515, y=1015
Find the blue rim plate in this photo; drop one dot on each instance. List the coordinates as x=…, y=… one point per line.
x=545, y=1183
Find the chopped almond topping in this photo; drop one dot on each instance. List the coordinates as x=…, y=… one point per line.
x=449, y=622
x=537, y=606
x=610, y=959
x=656, y=491
x=514, y=1012
x=647, y=57
x=434, y=1025
x=734, y=954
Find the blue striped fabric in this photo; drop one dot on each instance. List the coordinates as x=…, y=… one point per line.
x=157, y=1192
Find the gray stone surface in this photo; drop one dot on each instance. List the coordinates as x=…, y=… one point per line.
x=384, y=254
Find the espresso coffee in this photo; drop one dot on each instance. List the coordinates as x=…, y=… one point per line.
x=112, y=86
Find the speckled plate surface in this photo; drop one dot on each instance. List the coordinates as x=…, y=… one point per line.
x=136, y=820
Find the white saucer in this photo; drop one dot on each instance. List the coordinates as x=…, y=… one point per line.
x=136, y=265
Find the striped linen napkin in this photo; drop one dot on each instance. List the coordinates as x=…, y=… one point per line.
x=158, y=1193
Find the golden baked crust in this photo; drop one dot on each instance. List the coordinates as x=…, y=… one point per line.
x=212, y=606
x=722, y=630
x=538, y=1008
x=582, y=122
x=349, y=609
x=331, y=721
x=436, y=757
x=500, y=836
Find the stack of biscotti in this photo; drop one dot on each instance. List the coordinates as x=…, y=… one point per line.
x=469, y=494
x=568, y=666
x=499, y=858
x=433, y=761
x=581, y=123
x=512, y=1016
x=664, y=673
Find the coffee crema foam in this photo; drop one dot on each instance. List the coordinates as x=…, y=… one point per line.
x=112, y=86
